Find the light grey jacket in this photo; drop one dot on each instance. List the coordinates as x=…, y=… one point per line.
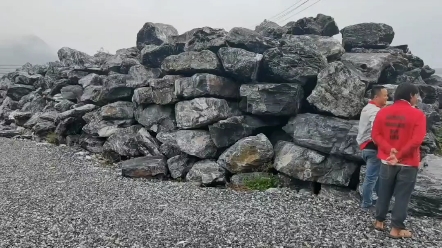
x=368, y=114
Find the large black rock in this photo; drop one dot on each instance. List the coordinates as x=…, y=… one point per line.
x=329, y=47
x=329, y=135
x=240, y=64
x=154, y=34
x=249, y=40
x=271, y=99
x=291, y=64
x=270, y=29
x=189, y=63
x=320, y=25
x=339, y=91
x=226, y=132
x=153, y=55
x=309, y=165
x=367, y=35
x=206, y=38
x=206, y=85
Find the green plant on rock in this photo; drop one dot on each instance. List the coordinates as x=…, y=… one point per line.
x=52, y=138
x=261, y=183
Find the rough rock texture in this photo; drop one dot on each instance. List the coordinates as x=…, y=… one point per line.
x=239, y=63
x=206, y=85
x=196, y=143
x=367, y=35
x=179, y=166
x=371, y=65
x=339, y=91
x=206, y=38
x=153, y=55
x=309, y=165
x=324, y=134
x=154, y=34
x=271, y=99
x=292, y=64
x=327, y=46
x=253, y=153
x=270, y=29
x=206, y=173
x=320, y=25
x=144, y=167
x=249, y=40
x=201, y=112
x=226, y=132
x=192, y=62
x=156, y=118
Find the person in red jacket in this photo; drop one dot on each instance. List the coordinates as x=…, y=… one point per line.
x=398, y=131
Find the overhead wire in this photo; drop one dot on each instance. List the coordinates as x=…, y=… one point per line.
x=300, y=11
x=291, y=11
x=291, y=6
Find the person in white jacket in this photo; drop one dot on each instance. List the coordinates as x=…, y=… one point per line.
x=379, y=97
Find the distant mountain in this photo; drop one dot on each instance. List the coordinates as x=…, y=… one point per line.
x=23, y=49
x=439, y=71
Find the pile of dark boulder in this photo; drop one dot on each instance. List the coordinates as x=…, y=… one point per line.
x=215, y=107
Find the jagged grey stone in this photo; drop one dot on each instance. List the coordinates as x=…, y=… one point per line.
x=330, y=47
x=179, y=166
x=271, y=99
x=292, y=64
x=206, y=85
x=196, y=143
x=253, y=153
x=192, y=62
x=239, y=63
x=206, y=173
x=145, y=167
x=156, y=118
x=309, y=165
x=324, y=134
x=201, y=112
x=117, y=110
x=339, y=91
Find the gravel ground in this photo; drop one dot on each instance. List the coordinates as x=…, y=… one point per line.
x=49, y=197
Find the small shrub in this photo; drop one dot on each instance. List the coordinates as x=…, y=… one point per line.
x=261, y=183
x=52, y=138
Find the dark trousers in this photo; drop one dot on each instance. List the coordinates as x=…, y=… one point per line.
x=400, y=181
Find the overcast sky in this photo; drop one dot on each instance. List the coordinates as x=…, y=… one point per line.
x=87, y=25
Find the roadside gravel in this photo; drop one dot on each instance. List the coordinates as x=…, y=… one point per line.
x=53, y=197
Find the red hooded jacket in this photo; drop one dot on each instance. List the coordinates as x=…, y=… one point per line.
x=402, y=127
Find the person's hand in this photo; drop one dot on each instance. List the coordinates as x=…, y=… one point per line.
x=393, y=151
x=392, y=160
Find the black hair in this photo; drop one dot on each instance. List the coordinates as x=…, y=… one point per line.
x=405, y=91
x=376, y=90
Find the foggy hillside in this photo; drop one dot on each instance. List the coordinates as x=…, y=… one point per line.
x=23, y=49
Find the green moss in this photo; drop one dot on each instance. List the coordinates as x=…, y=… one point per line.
x=52, y=138
x=261, y=183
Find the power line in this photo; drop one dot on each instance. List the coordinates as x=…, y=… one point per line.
x=291, y=11
x=301, y=11
x=285, y=10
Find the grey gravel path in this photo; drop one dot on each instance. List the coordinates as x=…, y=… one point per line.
x=49, y=197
